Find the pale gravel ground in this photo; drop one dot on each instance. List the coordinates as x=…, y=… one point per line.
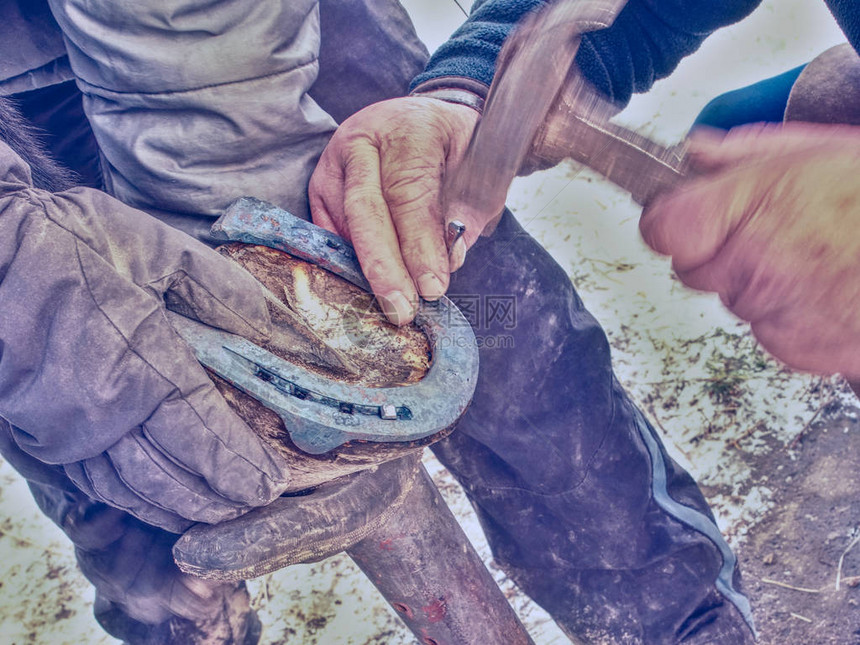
x=665, y=342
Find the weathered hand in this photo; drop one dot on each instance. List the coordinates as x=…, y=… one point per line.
x=378, y=184
x=773, y=226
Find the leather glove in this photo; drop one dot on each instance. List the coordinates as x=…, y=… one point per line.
x=92, y=375
x=772, y=227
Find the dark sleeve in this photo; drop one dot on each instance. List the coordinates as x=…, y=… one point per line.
x=847, y=14
x=646, y=42
x=471, y=51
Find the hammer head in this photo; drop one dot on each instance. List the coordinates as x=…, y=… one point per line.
x=535, y=63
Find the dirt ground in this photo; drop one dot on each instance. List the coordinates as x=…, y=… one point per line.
x=808, y=540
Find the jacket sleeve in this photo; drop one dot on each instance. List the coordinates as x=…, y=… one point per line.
x=197, y=103
x=647, y=41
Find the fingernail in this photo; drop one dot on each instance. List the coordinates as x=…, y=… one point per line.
x=396, y=307
x=430, y=287
x=458, y=255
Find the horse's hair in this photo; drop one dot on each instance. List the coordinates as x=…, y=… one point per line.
x=25, y=140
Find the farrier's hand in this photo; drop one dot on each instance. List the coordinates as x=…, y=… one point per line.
x=378, y=184
x=92, y=375
x=773, y=226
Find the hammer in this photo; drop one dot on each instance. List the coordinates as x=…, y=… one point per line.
x=541, y=109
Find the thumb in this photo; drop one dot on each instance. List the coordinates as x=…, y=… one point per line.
x=692, y=223
x=711, y=149
x=217, y=291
